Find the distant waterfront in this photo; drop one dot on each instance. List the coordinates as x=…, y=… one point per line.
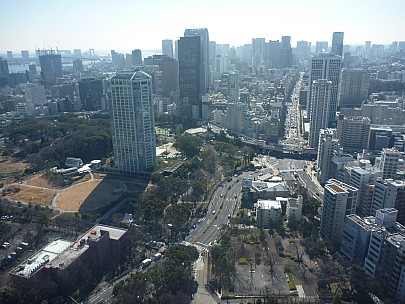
x=16, y=68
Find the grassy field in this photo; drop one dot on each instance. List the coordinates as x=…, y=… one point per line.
x=89, y=195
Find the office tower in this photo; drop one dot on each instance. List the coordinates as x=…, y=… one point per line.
x=167, y=48
x=303, y=50
x=176, y=50
x=337, y=43
x=128, y=60
x=321, y=47
x=35, y=94
x=380, y=137
x=170, y=76
x=90, y=92
x=233, y=87
x=10, y=55
x=389, y=162
x=133, y=122
x=339, y=200
x=285, y=52
x=353, y=132
x=114, y=55
x=205, y=59
x=367, y=50
x=64, y=90
x=78, y=66
x=325, y=66
x=25, y=55
x=32, y=68
x=258, y=45
x=212, y=53
x=4, y=72
x=191, y=75
x=353, y=88
x=274, y=48
x=137, y=57
x=328, y=146
x=51, y=68
x=77, y=53
x=320, y=101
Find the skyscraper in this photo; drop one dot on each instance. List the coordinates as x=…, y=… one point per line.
x=285, y=52
x=353, y=87
x=167, y=48
x=205, y=59
x=337, y=43
x=4, y=72
x=325, y=66
x=321, y=47
x=25, y=55
x=273, y=53
x=90, y=91
x=191, y=75
x=320, y=103
x=133, y=122
x=137, y=57
x=51, y=68
x=258, y=45
x=303, y=50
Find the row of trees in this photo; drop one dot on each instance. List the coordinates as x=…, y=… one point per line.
x=167, y=282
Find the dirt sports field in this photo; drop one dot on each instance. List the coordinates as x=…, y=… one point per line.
x=89, y=195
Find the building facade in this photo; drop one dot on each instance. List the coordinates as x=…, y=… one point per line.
x=133, y=122
x=339, y=200
x=320, y=105
x=325, y=66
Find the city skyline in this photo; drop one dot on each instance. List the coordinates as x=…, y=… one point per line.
x=102, y=26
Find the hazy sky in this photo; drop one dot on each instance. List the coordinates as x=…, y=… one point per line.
x=128, y=24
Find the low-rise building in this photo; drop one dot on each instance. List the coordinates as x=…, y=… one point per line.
x=294, y=208
x=268, y=212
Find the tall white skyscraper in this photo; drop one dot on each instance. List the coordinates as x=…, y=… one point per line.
x=133, y=122
x=167, y=48
x=326, y=66
x=320, y=103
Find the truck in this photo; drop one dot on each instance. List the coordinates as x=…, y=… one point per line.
x=146, y=263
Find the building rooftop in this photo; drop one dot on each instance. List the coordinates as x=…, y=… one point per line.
x=44, y=256
x=268, y=204
x=268, y=186
x=61, y=253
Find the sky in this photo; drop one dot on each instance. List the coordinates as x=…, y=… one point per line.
x=124, y=25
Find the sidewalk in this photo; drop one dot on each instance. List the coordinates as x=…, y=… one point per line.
x=203, y=296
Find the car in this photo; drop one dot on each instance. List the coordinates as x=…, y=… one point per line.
x=236, y=196
x=221, y=195
x=229, y=216
x=213, y=211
